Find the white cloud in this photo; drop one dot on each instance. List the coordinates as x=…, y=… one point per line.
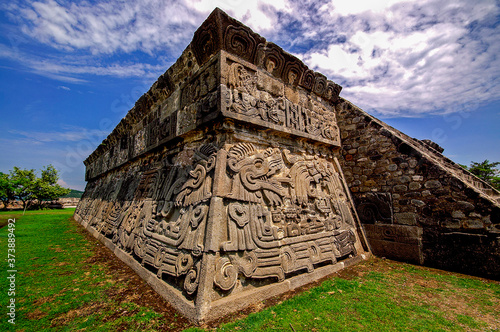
x=406, y=58
x=62, y=183
x=260, y=15
x=107, y=27
x=354, y=7
x=145, y=25
x=73, y=135
x=393, y=57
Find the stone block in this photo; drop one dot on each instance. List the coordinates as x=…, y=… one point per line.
x=414, y=185
x=453, y=224
x=400, y=188
x=418, y=203
x=396, y=242
x=465, y=206
x=432, y=184
x=473, y=224
x=404, y=179
x=411, y=253
x=405, y=218
x=370, y=183
x=392, y=167
x=457, y=214
x=367, y=171
x=394, y=233
x=362, y=149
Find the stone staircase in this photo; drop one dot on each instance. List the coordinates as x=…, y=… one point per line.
x=473, y=181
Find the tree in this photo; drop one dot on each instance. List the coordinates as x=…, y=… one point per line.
x=46, y=187
x=23, y=184
x=27, y=187
x=6, y=190
x=486, y=171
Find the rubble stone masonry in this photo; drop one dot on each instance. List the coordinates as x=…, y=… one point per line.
x=415, y=204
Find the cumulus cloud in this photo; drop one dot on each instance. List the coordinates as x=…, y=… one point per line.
x=106, y=27
x=260, y=15
x=393, y=57
x=145, y=25
x=406, y=57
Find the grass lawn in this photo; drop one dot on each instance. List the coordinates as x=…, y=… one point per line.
x=66, y=280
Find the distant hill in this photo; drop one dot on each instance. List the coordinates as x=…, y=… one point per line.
x=74, y=193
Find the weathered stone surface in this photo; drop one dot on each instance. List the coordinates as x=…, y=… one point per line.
x=465, y=206
x=432, y=184
x=458, y=214
x=427, y=190
x=400, y=188
x=222, y=186
x=374, y=208
x=406, y=218
x=414, y=186
x=396, y=241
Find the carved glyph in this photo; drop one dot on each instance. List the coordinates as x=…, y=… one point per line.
x=285, y=212
x=163, y=225
x=311, y=118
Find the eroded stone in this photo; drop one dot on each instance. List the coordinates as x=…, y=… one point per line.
x=222, y=186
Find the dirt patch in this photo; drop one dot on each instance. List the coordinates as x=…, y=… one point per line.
x=57, y=248
x=43, y=300
x=85, y=310
x=36, y=314
x=136, y=291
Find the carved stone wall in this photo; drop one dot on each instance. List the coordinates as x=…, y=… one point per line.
x=222, y=186
x=230, y=182
x=223, y=222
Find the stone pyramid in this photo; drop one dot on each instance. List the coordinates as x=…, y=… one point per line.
x=222, y=186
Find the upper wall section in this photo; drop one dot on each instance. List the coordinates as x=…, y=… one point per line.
x=221, y=32
x=227, y=71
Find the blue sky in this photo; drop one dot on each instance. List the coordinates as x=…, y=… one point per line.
x=70, y=70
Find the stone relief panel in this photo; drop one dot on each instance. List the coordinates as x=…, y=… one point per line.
x=199, y=99
x=242, y=99
x=284, y=212
x=160, y=219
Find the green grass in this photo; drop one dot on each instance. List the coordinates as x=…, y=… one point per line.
x=61, y=288
x=383, y=295
x=56, y=286
x=368, y=303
